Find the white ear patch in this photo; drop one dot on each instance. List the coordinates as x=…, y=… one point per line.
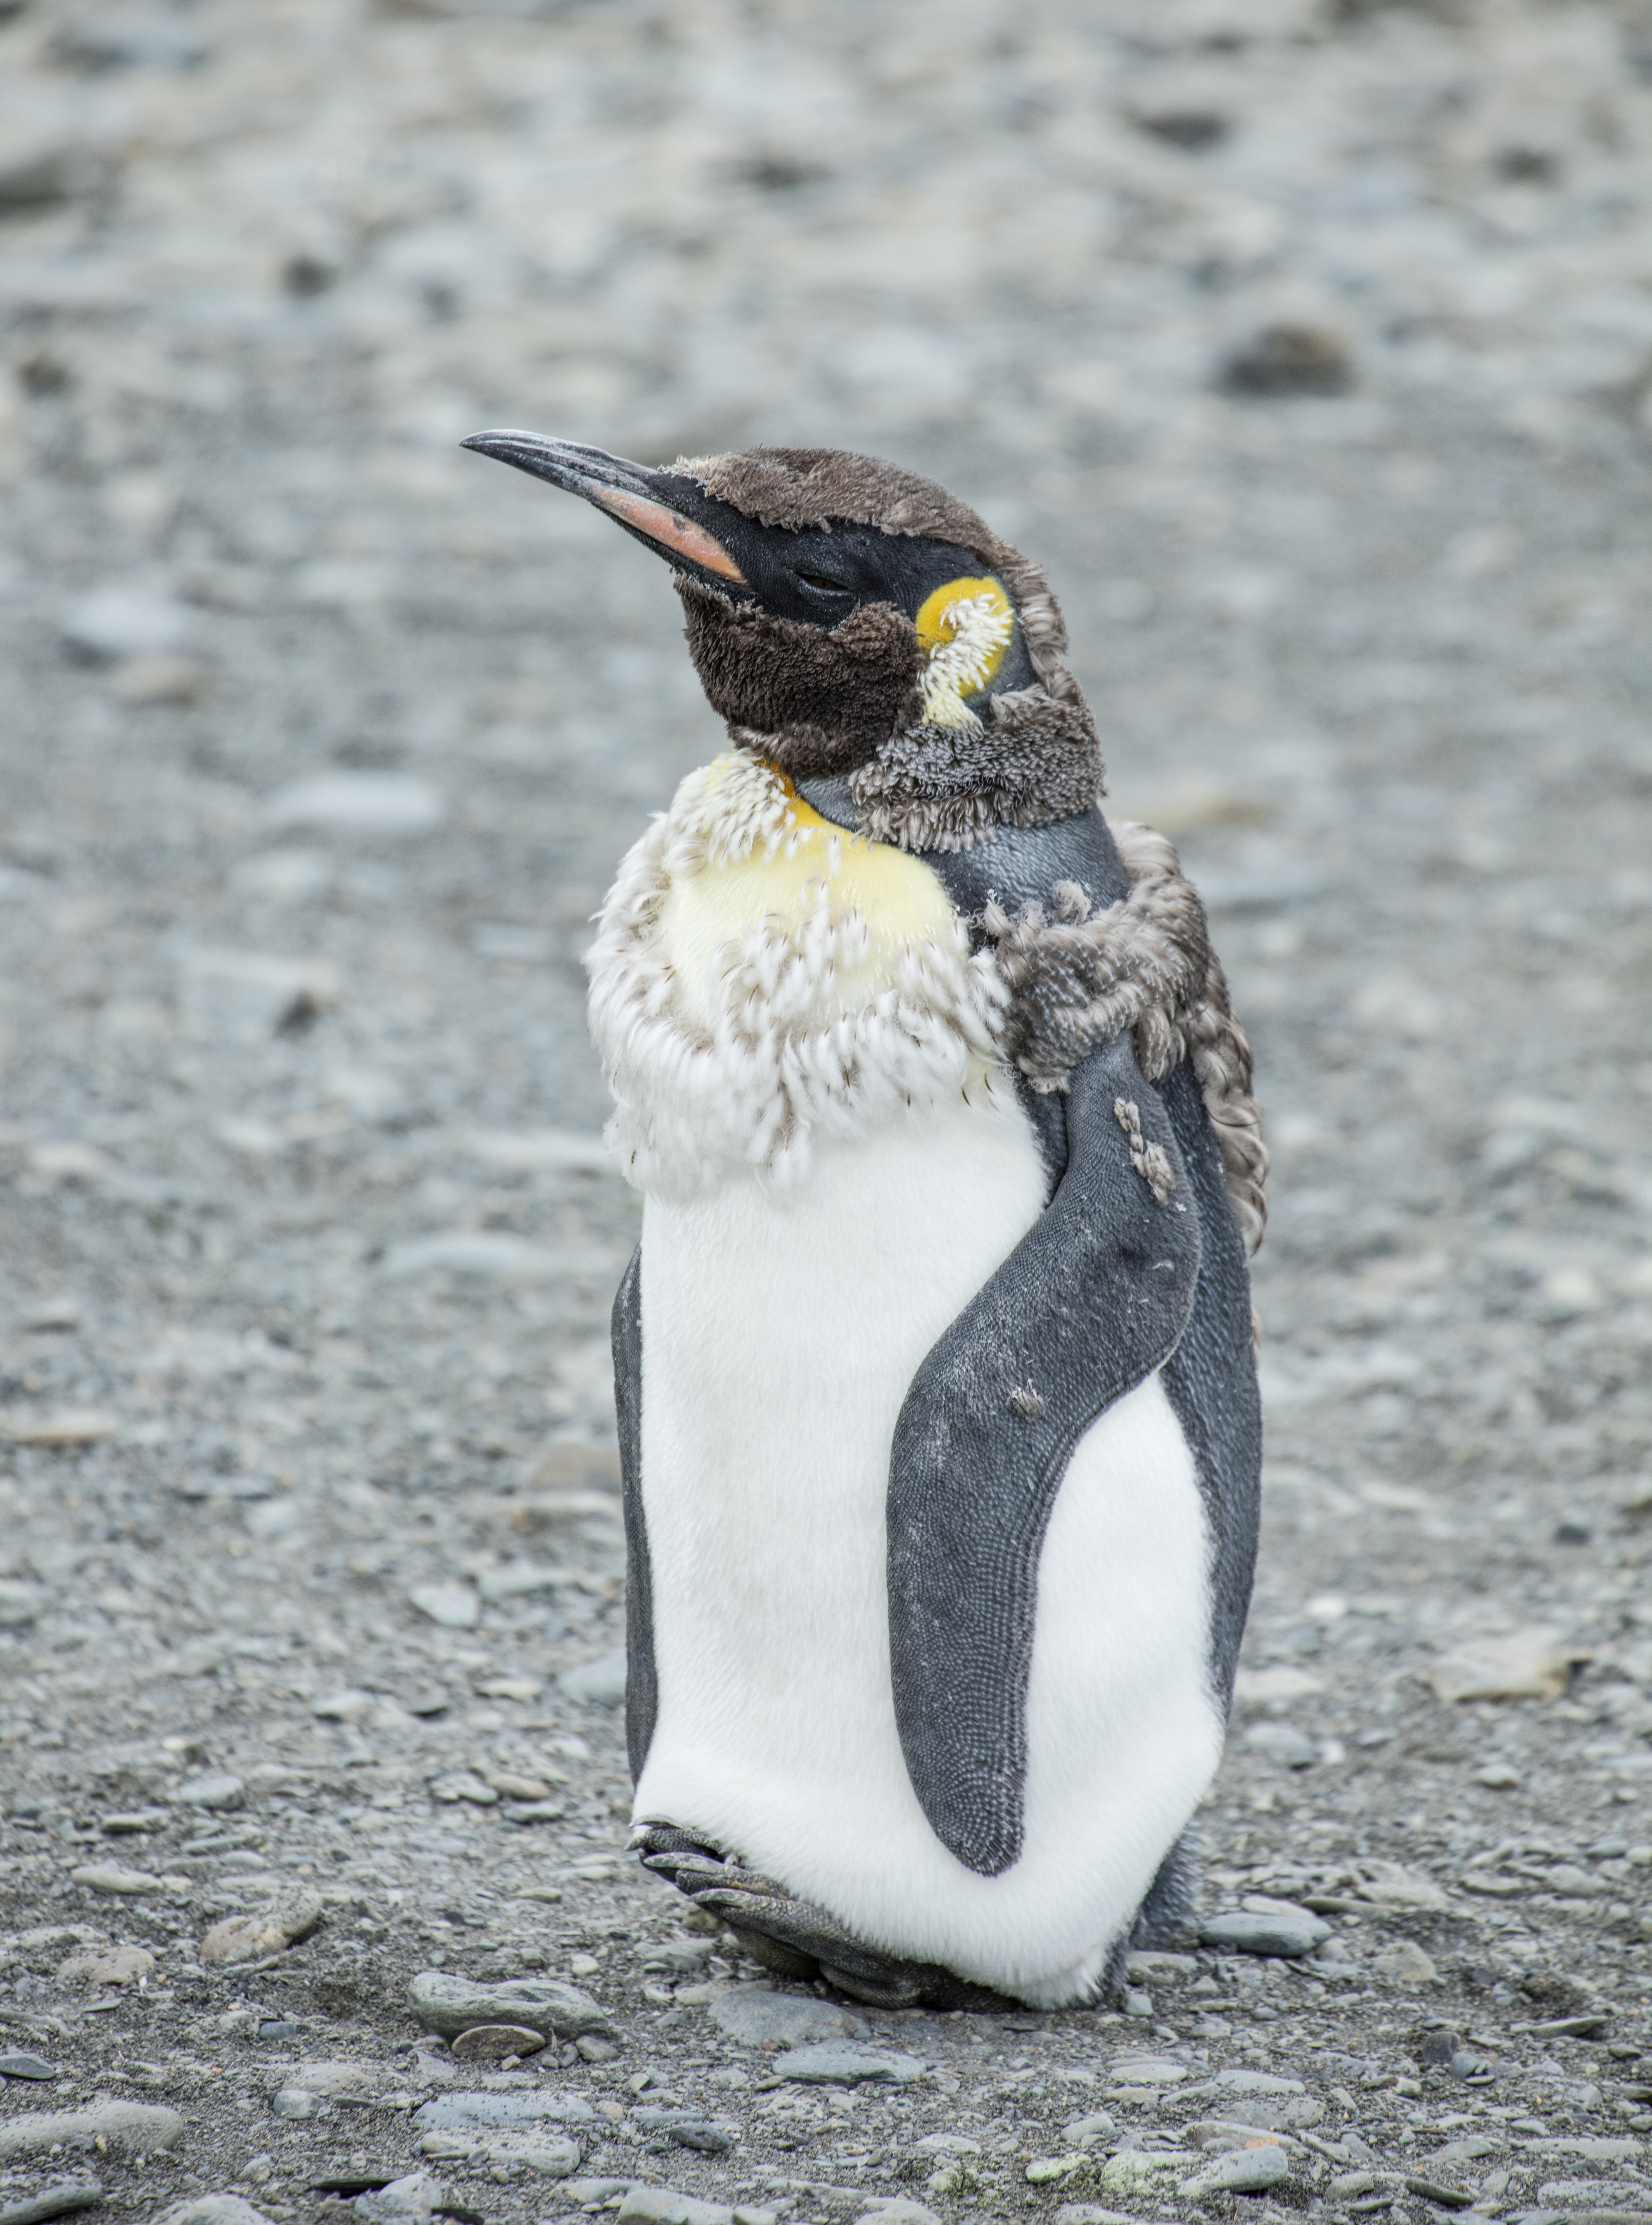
x=965, y=628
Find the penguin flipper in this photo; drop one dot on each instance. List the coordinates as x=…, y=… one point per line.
x=642, y=1686
x=1094, y=1297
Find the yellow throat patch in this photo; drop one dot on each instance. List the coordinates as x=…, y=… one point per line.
x=964, y=629
x=840, y=910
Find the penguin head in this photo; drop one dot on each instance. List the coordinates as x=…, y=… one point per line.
x=846, y=616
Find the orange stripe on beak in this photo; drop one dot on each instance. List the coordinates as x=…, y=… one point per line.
x=671, y=531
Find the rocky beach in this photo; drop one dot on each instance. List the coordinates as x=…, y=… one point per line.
x=1308, y=345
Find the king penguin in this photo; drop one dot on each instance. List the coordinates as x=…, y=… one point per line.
x=934, y=1368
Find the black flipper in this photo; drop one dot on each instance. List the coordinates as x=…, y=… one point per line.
x=1092, y=1300
x=1210, y=1378
x=1211, y=1382
x=641, y=1689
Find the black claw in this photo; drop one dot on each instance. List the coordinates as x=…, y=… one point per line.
x=794, y=1937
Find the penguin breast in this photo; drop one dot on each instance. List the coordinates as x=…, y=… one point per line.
x=804, y=920
x=763, y=977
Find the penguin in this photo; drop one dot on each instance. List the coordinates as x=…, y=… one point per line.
x=934, y=1366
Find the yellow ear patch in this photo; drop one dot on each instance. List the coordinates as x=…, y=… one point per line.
x=965, y=629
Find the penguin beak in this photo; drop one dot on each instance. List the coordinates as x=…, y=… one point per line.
x=632, y=494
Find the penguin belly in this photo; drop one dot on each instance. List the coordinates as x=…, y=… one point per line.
x=780, y=1334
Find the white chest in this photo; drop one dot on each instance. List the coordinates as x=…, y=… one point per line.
x=765, y=983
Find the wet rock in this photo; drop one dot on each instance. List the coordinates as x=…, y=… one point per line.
x=59, y=2198
x=135, y=2127
x=292, y=1918
x=1284, y=1930
x=1532, y=1665
x=757, y=2017
x=1240, y=2171
x=17, y=2064
x=450, y=2005
x=845, y=2065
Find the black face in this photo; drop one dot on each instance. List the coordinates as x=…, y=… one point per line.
x=813, y=576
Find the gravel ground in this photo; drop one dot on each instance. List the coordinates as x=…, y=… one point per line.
x=1309, y=346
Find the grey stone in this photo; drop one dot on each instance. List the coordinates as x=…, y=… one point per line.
x=213, y=2209
x=899, y=2209
x=758, y=2017
x=409, y=2201
x=450, y=2005
x=478, y=1255
x=114, y=1878
x=113, y=623
x=1237, y=2081
x=16, y=2064
x=1283, y=1742
x=357, y=2081
x=296, y=2103
x=224, y=1792
x=359, y=804
x=21, y=1605
x=550, y=2155
x=687, y=2129
x=600, y=1682
x=1239, y=2171
x=663, y=2205
x=1092, y=2213
x=1602, y=2150
x=846, y=2066
x=135, y=2127
x=60, y=2198
x=452, y=2112
x=1285, y=1930
x=455, y=1606
x=1096, y=2126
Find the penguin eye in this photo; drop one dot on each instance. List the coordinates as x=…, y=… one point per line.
x=823, y=586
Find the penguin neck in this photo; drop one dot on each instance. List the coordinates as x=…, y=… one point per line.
x=833, y=795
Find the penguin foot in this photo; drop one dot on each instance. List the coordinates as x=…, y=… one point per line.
x=795, y=1939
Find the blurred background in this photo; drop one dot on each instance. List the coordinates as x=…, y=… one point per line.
x=1307, y=343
